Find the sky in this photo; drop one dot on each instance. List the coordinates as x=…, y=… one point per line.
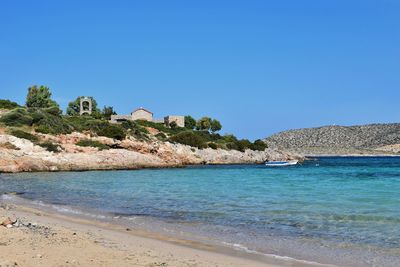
x=260, y=67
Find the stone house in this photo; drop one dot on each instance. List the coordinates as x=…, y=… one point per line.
x=146, y=115
x=142, y=114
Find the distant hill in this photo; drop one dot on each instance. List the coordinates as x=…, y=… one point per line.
x=362, y=139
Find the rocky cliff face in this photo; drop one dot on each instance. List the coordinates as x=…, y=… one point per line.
x=18, y=155
x=365, y=139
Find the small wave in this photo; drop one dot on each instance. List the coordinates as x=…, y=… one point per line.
x=14, y=199
x=274, y=256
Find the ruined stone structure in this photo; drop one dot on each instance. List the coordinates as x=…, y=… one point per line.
x=85, y=109
x=144, y=114
x=179, y=120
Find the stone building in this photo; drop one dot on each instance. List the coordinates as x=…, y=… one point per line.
x=146, y=115
x=142, y=114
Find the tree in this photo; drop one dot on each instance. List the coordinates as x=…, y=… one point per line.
x=203, y=124
x=173, y=125
x=190, y=122
x=74, y=107
x=215, y=126
x=107, y=112
x=39, y=97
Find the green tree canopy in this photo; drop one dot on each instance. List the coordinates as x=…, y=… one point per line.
x=203, y=124
x=215, y=126
x=190, y=122
x=39, y=97
x=107, y=112
x=74, y=106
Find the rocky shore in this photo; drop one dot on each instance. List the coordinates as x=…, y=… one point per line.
x=21, y=155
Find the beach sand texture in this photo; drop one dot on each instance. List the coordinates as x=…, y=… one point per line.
x=54, y=240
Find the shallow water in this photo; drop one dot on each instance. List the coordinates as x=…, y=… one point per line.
x=343, y=211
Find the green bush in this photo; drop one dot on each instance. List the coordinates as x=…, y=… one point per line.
x=112, y=131
x=49, y=146
x=135, y=130
x=17, y=117
x=24, y=135
x=213, y=145
x=189, y=138
x=161, y=136
x=45, y=121
x=160, y=127
x=7, y=104
x=92, y=143
x=259, y=145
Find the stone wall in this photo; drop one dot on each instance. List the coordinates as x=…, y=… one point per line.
x=142, y=114
x=179, y=120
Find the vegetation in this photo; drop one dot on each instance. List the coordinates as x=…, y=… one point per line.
x=74, y=107
x=189, y=138
x=43, y=114
x=107, y=112
x=203, y=124
x=24, y=135
x=7, y=104
x=112, y=131
x=39, y=97
x=215, y=126
x=190, y=122
x=17, y=117
x=49, y=146
x=92, y=143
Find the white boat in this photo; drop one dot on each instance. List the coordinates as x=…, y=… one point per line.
x=281, y=163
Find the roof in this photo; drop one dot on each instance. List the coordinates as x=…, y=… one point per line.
x=143, y=110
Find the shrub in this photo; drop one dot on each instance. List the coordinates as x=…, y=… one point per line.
x=161, y=136
x=50, y=122
x=24, y=135
x=17, y=117
x=160, y=126
x=213, y=145
x=189, y=138
x=112, y=131
x=49, y=146
x=190, y=122
x=135, y=130
x=39, y=97
x=259, y=145
x=92, y=143
x=7, y=104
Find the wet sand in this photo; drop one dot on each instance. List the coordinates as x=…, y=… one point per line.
x=48, y=239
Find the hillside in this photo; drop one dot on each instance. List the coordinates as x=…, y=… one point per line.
x=362, y=139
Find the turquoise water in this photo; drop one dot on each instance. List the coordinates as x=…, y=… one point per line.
x=335, y=206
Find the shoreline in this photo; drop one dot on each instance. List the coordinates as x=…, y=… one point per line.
x=97, y=235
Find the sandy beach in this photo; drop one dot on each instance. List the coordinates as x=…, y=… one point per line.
x=44, y=239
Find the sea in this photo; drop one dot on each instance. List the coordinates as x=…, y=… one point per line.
x=342, y=211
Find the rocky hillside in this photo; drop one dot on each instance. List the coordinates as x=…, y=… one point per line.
x=363, y=139
x=20, y=154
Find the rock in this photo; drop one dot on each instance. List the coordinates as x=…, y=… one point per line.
x=8, y=223
x=133, y=155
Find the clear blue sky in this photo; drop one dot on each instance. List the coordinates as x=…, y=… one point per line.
x=258, y=66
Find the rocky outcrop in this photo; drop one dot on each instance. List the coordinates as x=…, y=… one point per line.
x=364, y=139
x=129, y=154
